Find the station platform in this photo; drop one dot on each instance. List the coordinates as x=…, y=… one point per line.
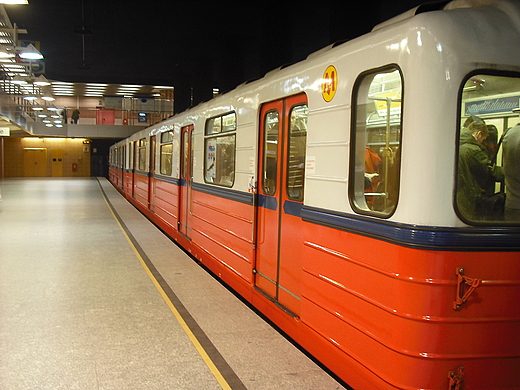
x=94, y=297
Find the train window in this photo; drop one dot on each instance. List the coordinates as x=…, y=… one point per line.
x=142, y=154
x=213, y=126
x=297, y=144
x=166, y=153
x=488, y=169
x=222, y=123
x=376, y=141
x=229, y=122
x=219, y=146
x=272, y=125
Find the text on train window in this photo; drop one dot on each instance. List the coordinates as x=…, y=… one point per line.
x=219, y=147
x=375, y=143
x=165, y=165
x=488, y=169
x=142, y=153
x=296, y=155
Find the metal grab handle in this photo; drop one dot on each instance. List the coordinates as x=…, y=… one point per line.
x=456, y=378
x=462, y=280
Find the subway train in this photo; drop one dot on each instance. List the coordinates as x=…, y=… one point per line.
x=333, y=196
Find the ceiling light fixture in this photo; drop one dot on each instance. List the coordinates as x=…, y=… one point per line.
x=4, y=53
x=29, y=52
x=41, y=81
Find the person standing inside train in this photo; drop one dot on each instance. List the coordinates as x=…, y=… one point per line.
x=511, y=155
x=474, y=170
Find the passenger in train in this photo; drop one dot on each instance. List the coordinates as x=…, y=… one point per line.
x=474, y=172
x=470, y=120
x=372, y=164
x=511, y=153
x=491, y=143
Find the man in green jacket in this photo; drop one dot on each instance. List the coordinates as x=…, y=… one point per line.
x=474, y=170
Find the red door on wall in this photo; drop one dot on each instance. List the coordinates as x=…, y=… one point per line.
x=105, y=117
x=280, y=197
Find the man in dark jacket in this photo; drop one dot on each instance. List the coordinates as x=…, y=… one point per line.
x=511, y=151
x=474, y=170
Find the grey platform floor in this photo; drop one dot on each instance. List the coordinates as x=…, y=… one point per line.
x=79, y=310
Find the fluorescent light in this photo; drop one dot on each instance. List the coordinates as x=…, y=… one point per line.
x=18, y=80
x=4, y=53
x=41, y=81
x=29, y=52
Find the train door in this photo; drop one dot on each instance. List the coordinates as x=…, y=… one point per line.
x=186, y=176
x=283, y=135
x=123, y=168
x=135, y=149
x=151, y=174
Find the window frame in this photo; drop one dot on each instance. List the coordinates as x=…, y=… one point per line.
x=353, y=179
x=267, y=190
x=291, y=136
x=142, y=152
x=211, y=135
x=459, y=126
x=164, y=143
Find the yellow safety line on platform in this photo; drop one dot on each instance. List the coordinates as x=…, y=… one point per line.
x=200, y=349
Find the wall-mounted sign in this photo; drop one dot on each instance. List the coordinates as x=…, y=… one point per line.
x=4, y=131
x=492, y=106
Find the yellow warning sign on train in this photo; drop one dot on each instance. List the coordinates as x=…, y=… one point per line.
x=330, y=83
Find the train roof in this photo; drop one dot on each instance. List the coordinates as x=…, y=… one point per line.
x=506, y=6
x=509, y=7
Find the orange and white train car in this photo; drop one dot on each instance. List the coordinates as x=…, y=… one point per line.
x=325, y=194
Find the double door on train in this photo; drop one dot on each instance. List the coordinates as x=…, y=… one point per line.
x=151, y=174
x=278, y=265
x=186, y=178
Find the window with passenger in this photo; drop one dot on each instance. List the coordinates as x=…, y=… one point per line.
x=219, y=147
x=488, y=169
x=376, y=141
